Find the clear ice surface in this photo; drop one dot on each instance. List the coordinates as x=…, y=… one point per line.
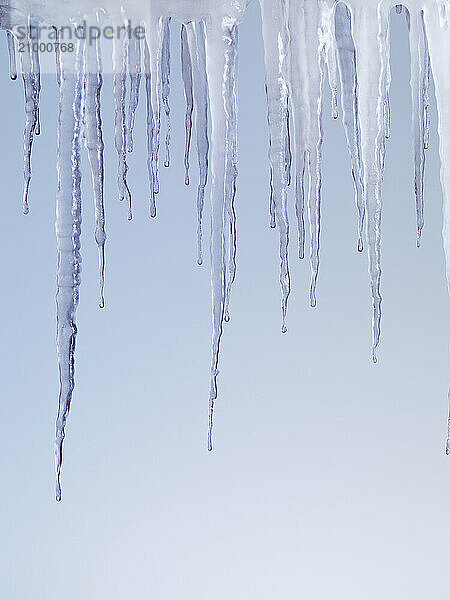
x=305, y=43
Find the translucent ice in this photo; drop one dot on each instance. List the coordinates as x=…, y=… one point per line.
x=305, y=42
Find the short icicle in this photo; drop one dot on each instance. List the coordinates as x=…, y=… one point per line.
x=347, y=72
x=220, y=51
x=120, y=60
x=419, y=93
x=328, y=36
x=154, y=35
x=369, y=29
x=186, y=70
x=134, y=68
x=275, y=55
x=94, y=144
x=68, y=230
x=150, y=134
x=12, y=55
x=31, y=117
x=196, y=41
x=36, y=72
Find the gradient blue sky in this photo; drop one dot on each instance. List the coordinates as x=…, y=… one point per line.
x=329, y=478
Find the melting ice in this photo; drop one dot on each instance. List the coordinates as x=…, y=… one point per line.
x=305, y=42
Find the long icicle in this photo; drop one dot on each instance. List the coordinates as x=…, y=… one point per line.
x=349, y=101
x=370, y=30
x=68, y=231
x=186, y=70
x=439, y=50
x=165, y=84
x=120, y=60
x=275, y=54
x=219, y=42
x=196, y=40
x=94, y=144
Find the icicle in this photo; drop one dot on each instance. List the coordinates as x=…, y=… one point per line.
x=31, y=117
x=438, y=39
x=120, y=53
x=288, y=151
x=426, y=92
x=275, y=53
x=165, y=83
x=328, y=40
x=150, y=125
x=370, y=28
x=307, y=68
x=36, y=72
x=154, y=33
x=186, y=69
x=230, y=167
x=68, y=230
x=220, y=54
x=12, y=55
x=347, y=71
x=419, y=91
x=134, y=68
x=196, y=40
x=94, y=145
x=57, y=57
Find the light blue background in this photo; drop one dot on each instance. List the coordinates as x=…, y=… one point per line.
x=329, y=478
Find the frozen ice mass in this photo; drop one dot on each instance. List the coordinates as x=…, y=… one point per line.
x=306, y=42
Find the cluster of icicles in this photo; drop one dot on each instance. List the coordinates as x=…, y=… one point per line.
x=303, y=41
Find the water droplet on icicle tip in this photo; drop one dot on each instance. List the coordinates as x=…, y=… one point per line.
x=360, y=245
x=227, y=317
x=284, y=328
